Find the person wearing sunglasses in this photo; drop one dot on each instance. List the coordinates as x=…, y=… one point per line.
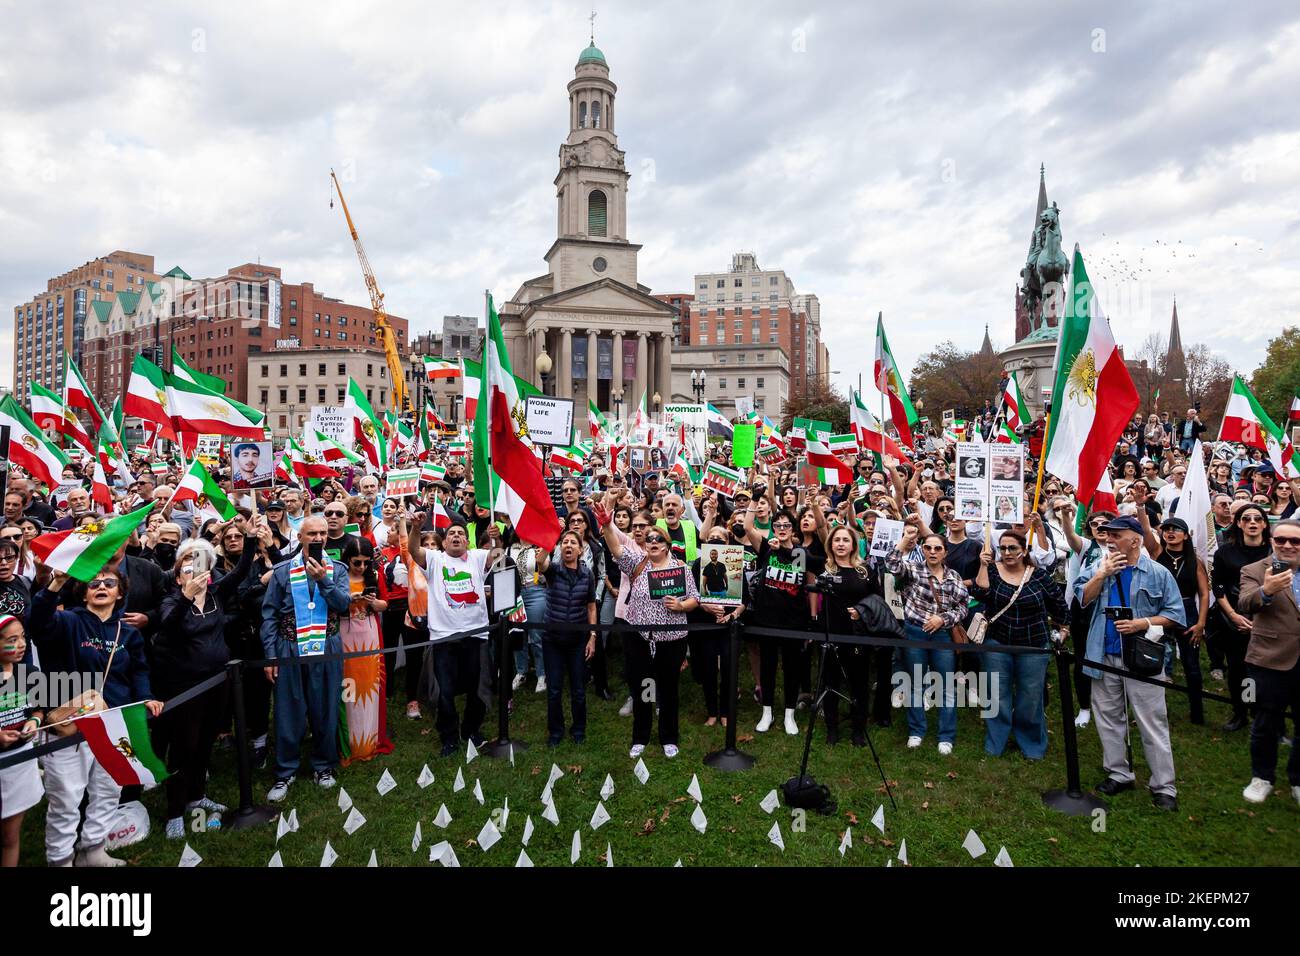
x=1270, y=593
x=1245, y=543
x=1175, y=552
x=77, y=641
x=15, y=592
x=638, y=525
x=365, y=710
x=654, y=657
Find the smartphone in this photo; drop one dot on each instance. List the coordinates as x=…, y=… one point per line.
x=1119, y=613
x=201, y=562
x=1277, y=567
x=316, y=551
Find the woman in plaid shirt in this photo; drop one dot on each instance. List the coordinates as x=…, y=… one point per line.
x=934, y=600
x=1023, y=621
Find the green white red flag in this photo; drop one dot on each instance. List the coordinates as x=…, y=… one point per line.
x=119, y=740
x=831, y=470
x=81, y=552
x=78, y=396
x=183, y=371
x=1245, y=421
x=29, y=449
x=722, y=479
x=1013, y=404
x=367, y=427
x=1093, y=397
x=870, y=434
x=435, y=368
x=198, y=486
x=47, y=409
x=599, y=425
x=889, y=379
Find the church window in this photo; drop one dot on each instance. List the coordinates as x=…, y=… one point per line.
x=582, y=115
x=596, y=213
x=595, y=114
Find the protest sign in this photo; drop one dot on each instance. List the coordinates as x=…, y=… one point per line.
x=549, y=420
x=666, y=582
x=722, y=479
x=402, y=482
x=972, y=485
x=886, y=535
x=722, y=569
x=742, y=445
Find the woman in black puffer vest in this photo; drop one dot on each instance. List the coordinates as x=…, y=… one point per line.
x=570, y=600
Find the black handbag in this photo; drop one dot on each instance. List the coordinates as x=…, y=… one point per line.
x=1143, y=657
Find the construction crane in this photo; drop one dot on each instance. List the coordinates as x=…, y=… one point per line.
x=401, y=400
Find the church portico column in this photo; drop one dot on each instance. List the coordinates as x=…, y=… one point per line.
x=564, y=372
x=616, y=384
x=593, y=389
x=642, y=381
x=665, y=369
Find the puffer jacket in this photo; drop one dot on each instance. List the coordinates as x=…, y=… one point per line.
x=77, y=641
x=568, y=592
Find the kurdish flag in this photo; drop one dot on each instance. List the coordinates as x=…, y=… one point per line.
x=368, y=428
x=81, y=552
x=182, y=371
x=119, y=739
x=1093, y=397
x=504, y=460
x=29, y=449
x=77, y=394
x=1244, y=421
x=1014, y=403
x=889, y=379
x=436, y=368
x=198, y=486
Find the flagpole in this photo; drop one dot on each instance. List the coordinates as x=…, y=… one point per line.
x=487, y=431
x=1042, y=456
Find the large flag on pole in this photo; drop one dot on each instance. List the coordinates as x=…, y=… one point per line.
x=504, y=461
x=183, y=371
x=47, y=409
x=77, y=394
x=600, y=430
x=1093, y=396
x=146, y=396
x=436, y=368
x=198, y=486
x=868, y=430
x=29, y=449
x=1013, y=405
x=717, y=422
x=889, y=379
x=81, y=552
x=367, y=427
x=1194, y=504
x=1245, y=421
x=471, y=383
x=201, y=411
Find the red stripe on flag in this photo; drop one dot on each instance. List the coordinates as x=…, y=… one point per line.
x=517, y=466
x=106, y=752
x=1117, y=400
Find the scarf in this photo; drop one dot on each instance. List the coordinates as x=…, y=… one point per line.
x=310, y=612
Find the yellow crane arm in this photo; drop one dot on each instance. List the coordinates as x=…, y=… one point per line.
x=384, y=331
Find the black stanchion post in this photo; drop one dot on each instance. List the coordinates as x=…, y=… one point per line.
x=729, y=758
x=503, y=745
x=1072, y=800
x=248, y=814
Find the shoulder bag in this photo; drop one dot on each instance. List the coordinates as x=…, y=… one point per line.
x=979, y=624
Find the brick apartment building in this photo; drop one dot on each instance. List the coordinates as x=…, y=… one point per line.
x=53, y=322
x=216, y=324
x=748, y=305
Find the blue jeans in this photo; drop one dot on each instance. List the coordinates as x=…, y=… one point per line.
x=942, y=663
x=535, y=608
x=565, y=656
x=1019, y=694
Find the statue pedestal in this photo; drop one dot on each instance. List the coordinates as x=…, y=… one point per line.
x=1030, y=360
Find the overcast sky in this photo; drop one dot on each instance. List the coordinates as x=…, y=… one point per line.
x=887, y=159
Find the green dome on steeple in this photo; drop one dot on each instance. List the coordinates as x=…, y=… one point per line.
x=592, y=55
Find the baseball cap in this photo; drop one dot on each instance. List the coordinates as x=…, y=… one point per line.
x=274, y=504
x=1178, y=524
x=1123, y=523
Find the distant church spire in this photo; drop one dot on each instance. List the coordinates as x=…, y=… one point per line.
x=1175, y=362
x=987, y=347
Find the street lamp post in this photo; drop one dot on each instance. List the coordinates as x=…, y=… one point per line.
x=697, y=385
x=616, y=397
x=543, y=366
x=292, y=409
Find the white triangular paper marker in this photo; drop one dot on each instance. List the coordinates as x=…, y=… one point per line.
x=374, y=860
x=609, y=855
x=505, y=813
x=770, y=802
x=846, y=841
x=437, y=850
x=878, y=818
x=354, y=822
x=275, y=860
x=698, y=819
x=902, y=853
x=524, y=859
x=607, y=788
x=640, y=770
x=599, y=817
x=386, y=783
x=449, y=857
x=418, y=838
x=478, y=792
x=489, y=836
x=693, y=791
x=528, y=830
x=329, y=856
x=282, y=827
x=546, y=795
x=974, y=845
x=459, y=783
x=189, y=857
x=443, y=817
x=345, y=802
x=293, y=820
x=550, y=814
x=576, y=851
x=774, y=836
x=512, y=755
x=1003, y=858
x=678, y=863
x=556, y=774
x=470, y=751
x=425, y=778
x=888, y=864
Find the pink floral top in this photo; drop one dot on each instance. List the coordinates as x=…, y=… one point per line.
x=643, y=609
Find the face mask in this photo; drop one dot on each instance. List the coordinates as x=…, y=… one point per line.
x=165, y=553
x=738, y=530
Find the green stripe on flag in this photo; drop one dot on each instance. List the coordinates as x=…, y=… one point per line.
x=136, y=719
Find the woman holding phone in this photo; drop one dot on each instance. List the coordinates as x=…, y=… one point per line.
x=363, y=733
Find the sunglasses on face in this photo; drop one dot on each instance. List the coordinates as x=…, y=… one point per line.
x=1252, y=519
x=336, y=514
x=1286, y=542
x=782, y=526
x=102, y=584
x=931, y=547
x=655, y=539
x=639, y=524
x=359, y=562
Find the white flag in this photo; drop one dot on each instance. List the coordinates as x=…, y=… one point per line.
x=774, y=836
x=489, y=836
x=698, y=819
x=528, y=830
x=329, y=855
x=1194, y=504
x=275, y=860
x=693, y=790
x=425, y=778
x=974, y=845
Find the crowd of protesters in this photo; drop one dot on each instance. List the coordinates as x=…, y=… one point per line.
x=356, y=570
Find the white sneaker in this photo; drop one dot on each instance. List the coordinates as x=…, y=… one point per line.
x=765, y=722
x=670, y=751
x=175, y=828
x=96, y=856
x=279, y=790
x=207, y=805
x=626, y=709
x=1295, y=792
x=945, y=748
x=518, y=682
x=1257, y=791
x=636, y=751
x=1216, y=674
x=791, y=727
x=972, y=694
x=898, y=698
x=1083, y=718
x=541, y=684
x=913, y=743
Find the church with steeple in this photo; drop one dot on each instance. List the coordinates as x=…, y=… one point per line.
x=605, y=336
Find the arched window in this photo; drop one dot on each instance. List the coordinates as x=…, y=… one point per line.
x=595, y=114
x=582, y=115
x=596, y=213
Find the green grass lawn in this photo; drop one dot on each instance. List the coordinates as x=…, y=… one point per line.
x=939, y=800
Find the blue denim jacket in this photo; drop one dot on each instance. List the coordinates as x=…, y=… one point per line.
x=1153, y=593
